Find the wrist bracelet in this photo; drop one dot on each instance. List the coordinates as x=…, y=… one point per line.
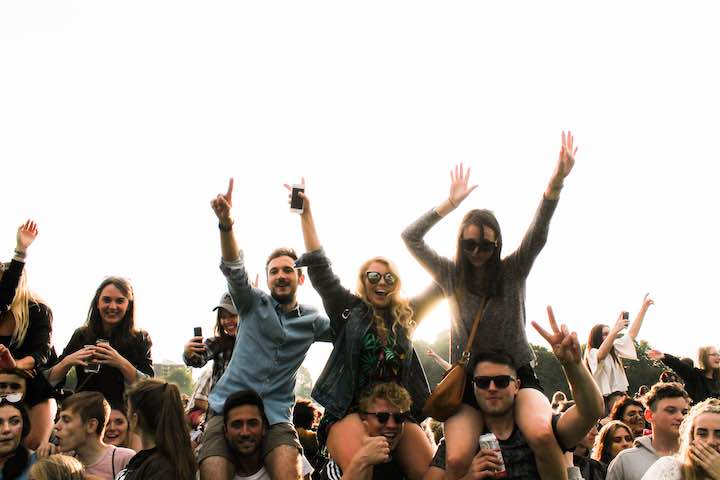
x=19, y=254
x=452, y=203
x=226, y=228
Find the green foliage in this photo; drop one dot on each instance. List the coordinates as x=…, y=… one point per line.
x=548, y=370
x=441, y=346
x=181, y=377
x=304, y=383
x=643, y=371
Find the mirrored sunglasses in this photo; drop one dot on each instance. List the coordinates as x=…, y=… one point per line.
x=374, y=277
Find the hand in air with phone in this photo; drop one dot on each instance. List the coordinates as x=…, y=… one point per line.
x=296, y=198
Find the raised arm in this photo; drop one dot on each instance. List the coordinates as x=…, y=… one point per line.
x=574, y=424
x=438, y=266
x=637, y=323
x=565, y=164
x=26, y=234
x=607, y=345
x=310, y=236
x=685, y=371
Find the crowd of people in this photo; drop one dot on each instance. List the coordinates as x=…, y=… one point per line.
x=243, y=420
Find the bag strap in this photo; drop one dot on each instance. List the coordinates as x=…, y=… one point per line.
x=465, y=357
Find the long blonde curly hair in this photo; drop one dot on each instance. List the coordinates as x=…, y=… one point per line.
x=20, y=309
x=400, y=309
x=687, y=435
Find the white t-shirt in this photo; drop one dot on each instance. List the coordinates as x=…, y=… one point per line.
x=666, y=468
x=262, y=474
x=609, y=374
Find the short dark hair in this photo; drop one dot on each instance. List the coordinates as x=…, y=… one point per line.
x=661, y=391
x=244, y=397
x=281, y=252
x=496, y=356
x=304, y=413
x=89, y=405
x=621, y=404
x=15, y=371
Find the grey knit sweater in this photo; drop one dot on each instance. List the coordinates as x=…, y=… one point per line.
x=503, y=325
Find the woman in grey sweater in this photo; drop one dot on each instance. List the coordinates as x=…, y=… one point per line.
x=479, y=272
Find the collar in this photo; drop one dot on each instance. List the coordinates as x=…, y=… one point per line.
x=294, y=313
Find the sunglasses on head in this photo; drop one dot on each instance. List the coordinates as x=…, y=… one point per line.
x=500, y=381
x=11, y=397
x=374, y=277
x=383, y=417
x=469, y=245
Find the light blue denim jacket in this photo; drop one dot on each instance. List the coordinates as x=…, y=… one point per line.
x=270, y=346
x=350, y=319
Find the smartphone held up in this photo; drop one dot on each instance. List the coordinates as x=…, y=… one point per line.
x=297, y=203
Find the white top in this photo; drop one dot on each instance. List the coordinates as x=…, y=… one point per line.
x=262, y=474
x=608, y=374
x=666, y=468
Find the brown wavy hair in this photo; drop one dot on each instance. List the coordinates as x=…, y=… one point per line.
x=402, y=313
x=603, y=442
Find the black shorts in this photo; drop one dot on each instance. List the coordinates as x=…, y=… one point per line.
x=525, y=374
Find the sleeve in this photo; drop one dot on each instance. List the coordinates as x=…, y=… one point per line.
x=592, y=360
x=8, y=284
x=616, y=471
x=239, y=286
x=685, y=371
x=441, y=268
x=335, y=297
x=144, y=364
x=625, y=347
x=39, y=336
x=665, y=468
x=426, y=301
x=534, y=239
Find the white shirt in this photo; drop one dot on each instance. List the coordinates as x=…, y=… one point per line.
x=666, y=468
x=609, y=374
x=262, y=474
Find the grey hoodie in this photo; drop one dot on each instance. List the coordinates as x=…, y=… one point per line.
x=631, y=464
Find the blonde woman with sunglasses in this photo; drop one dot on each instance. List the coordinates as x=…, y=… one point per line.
x=372, y=344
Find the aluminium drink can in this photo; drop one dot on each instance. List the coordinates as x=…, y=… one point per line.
x=489, y=441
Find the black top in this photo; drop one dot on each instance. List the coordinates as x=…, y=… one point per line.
x=9, y=283
x=148, y=465
x=110, y=381
x=38, y=345
x=697, y=385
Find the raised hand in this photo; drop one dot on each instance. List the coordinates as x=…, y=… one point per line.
x=655, y=355
x=566, y=161
x=26, y=234
x=194, y=346
x=620, y=323
x=459, y=189
x=564, y=344
x=647, y=301
x=306, y=200
x=222, y=205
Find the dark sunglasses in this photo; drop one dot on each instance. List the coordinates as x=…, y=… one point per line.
x=10, y=385
x=374, y=277
x=383, y=417
x=500, y=381
x=469, y=245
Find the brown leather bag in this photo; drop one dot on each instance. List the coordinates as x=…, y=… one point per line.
x=447, y=395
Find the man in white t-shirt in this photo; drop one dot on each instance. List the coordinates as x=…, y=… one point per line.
x=80, y=428
x=245, y=427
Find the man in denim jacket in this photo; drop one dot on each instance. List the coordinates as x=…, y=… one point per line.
x=271, y=343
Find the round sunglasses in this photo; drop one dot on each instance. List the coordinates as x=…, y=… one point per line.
x=374, y=277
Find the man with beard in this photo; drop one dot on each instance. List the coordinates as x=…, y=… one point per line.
x=245, y=427
x=496, y=385
x=271, y=343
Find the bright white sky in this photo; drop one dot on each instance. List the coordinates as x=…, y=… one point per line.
x=119, y=121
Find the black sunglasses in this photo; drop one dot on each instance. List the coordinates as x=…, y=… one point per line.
x=469, y=245
x=383, y=417
x=374, y=277
x=500, y=381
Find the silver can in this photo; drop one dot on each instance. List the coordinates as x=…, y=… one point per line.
x=488, y=441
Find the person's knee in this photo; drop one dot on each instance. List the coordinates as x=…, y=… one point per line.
x=541, y=439
x=216, y=468
x=283, y=463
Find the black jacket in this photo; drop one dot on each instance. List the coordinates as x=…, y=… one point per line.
x=697, y=385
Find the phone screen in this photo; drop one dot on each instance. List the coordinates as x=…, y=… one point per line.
x=626, y=315
x=296, y=203
x=197, y=332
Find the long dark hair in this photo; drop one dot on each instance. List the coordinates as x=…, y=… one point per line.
x=595, y=339
x=160, y=414
x=17, y=464
x=226, y=341
x=602, y=452
x=123, y=333
x=486, y=280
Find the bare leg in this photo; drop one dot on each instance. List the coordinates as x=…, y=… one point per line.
x=216, y=468
x=533, y=416
x=461, y=436
x=414, y=451
x=345, y=439
x=283, y=463
x=41, y=423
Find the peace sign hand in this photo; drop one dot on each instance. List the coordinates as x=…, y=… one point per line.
x=564, y=344
x=222, y=204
